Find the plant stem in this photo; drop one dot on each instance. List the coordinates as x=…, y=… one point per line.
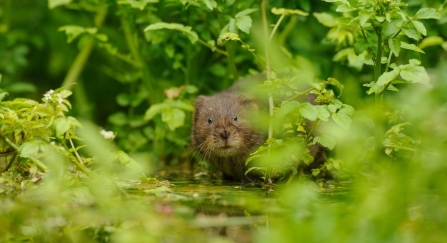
x=378, y=130
x=82, y=57
x=147, y=79
x=213, y=48
x=268, y=68
x=78, y=161
x=276, y=26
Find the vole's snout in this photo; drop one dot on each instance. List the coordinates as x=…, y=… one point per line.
x=224, y=135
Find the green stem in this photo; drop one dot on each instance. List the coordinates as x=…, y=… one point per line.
x=213, y=48
x=231, y=62
x=378, y=130
x=276, y=26
x=82, y=57
x=11, y=162
x=315, y=124
x=268, y=68
x=78, y=161
x=132, y=43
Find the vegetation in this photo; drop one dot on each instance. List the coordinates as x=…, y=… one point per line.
x=101, y=155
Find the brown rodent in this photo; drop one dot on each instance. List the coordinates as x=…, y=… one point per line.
x=222, y=133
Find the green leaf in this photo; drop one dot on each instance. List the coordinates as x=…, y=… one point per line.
x=364, y=17
x=308, y=111
x=411, y=32
x=427, y=13
x=154, y=110
x=344, y=8
x=73, y=31
x=211, y=4
x=187, y=30
x=140, y=4
x=337, y=83
x=285, y=109
x=281, y=11
x=360, y=46
x=431, y=41
x=227, y=36
x=419, y=26
x=338, y=1
x=394, y=45
x=415, y=74
x=55, y=3
x=412, y=47
x=383, y=80
x=244, y=23
x=327, y=141
x=173, y=117
x=118, y=119
x=245, y=12
x=62, y=125
x=3, y=94
x=342, y=120
x=65, y=93
x=326, y=19
x=323, y=113
x=29, y=149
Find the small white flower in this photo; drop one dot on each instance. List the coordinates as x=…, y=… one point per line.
x=59, y=98
x=108, y=134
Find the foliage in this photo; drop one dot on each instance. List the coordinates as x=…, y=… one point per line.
x=134, y=67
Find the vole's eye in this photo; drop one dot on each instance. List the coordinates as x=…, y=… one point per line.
x=234, y=118
x=210, y=120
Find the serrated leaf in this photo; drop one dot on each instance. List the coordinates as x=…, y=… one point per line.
x=327, y=141
x=227, y=36
x=326, y=19
x=431, y=41
x=394, y=45
x=322, y=113
x=154, y=110
x=72, y=31
x=419, y=26
x=412, y=47
x=281, y=11
x=187, y=30
x=244, y=24
x=383, y=80
x=285, y=109
x=308, y=111
x=411, y=32
x=427, y=13
x=342, y=120
x=416, y=74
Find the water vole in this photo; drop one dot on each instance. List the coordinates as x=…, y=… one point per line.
x=223, y=134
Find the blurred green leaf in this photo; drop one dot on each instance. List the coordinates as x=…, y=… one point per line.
x=394, y=45
x=326, y=19
x=244, y=23
x=55, y=3
x=281, y=11
x=427, y=13
x=431, y=41
x=187, y=30
x=342, y=119
x=325, y=140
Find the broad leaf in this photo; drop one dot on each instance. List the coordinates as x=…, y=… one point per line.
x=326, y=19
x=29, y=149
x=342, y=120
x=415, y=74
x=327, y=141
x=308, y=111
x=419, y=26
x=383, y=81
x=394, y=45
x=244, y=24
x=427, y=13
x=411, y=32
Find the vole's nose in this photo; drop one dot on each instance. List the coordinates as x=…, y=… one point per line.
x=224, y=135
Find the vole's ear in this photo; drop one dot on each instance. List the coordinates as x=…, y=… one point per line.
x=247, y=102
x=200, y=101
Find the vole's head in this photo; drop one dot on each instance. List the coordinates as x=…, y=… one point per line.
x=221, y=125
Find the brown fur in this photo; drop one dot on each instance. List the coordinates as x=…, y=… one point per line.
x=226, y=142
